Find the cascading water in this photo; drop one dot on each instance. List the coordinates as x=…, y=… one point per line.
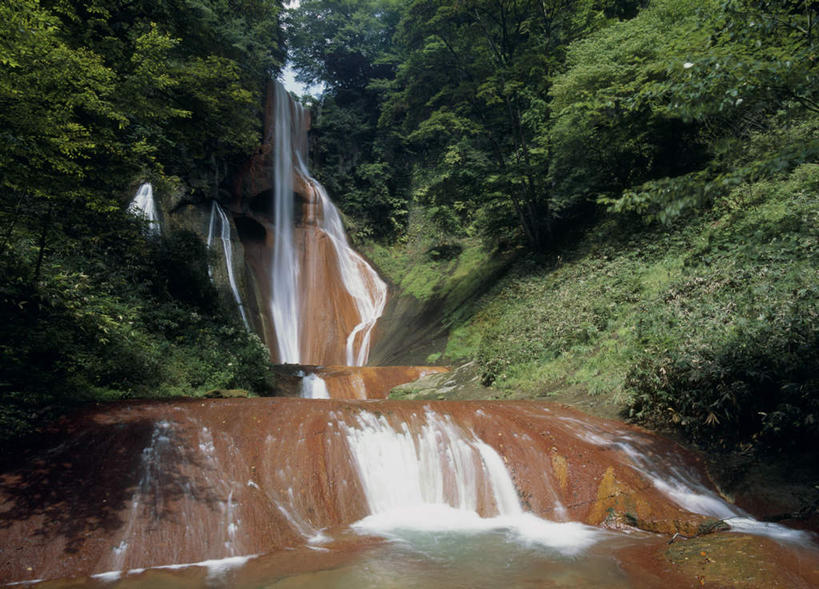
x=143, y=205
x=301, y=272
x=249, y=492
x=284, y=304
x=314, y=387
x=431, y=475
x=680, y=484
x=218, y=215
x=368, y=291
x=468, y=494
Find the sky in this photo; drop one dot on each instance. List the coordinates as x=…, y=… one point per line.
x=288, y=78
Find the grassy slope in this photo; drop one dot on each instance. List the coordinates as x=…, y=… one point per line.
x=605, y=314
x=437, y=278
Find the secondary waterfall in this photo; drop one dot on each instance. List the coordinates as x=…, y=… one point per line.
x=323, y=298
x=314, y=387
x=143, y=205
x=218, y=215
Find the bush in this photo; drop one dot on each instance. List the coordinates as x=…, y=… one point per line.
x=117, y=318
x=742, y=365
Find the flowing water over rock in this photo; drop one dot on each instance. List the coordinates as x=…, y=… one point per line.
x=219, y=217
x=340, y=489
x=362, y=493
x=321, y=299
x=143, y=205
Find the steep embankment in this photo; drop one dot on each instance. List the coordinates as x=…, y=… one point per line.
x=612, y=313
x=435, y=281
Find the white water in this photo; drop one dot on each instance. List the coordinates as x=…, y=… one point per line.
x=437, y=479
x=148, y=482
x=683, y=486
x=284, y=304
x=215, y=568
x=364, y=285
x=362, y=282
x=144, y=205
x=217, y=212
x=156, y=494
x=314, y=387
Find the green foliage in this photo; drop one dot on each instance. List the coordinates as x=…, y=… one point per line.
x=610, y=133
x=117, y=317
x=95, y=96
x=649, y=108
x=711, y=327
x=747, y=370
x=469, y=99
x=459, y=94
x=356, y=166
x=346, y=46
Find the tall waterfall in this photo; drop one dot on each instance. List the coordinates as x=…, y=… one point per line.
x=284, y=305
x=217, y=214
x=143, y=205
x=300, y=268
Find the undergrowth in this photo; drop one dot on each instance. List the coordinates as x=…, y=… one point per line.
x=711, y=326
x=116, y=315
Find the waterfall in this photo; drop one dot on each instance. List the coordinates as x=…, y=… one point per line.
x=143, y=205
x=429, y=474
x=217, y=483
x=217, y=212
x=284, y=304
x=320, y=219
x=680, y=483
x=367, y=289
x=314, y=387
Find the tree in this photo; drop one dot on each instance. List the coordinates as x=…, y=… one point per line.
x=471, y=98
x=347, y=47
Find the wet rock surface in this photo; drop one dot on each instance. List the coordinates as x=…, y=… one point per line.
x=135, y=485
x=742, y=561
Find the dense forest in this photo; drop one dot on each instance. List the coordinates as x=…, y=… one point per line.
x=648, y=169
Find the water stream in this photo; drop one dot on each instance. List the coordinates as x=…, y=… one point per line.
x=218, y=216
x=316, y=493
x=302, y=266
x=143, y=205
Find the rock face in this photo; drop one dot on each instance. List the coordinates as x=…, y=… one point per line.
x=147, y=484
x=317, y=300
x=228, y=272
x=350, y=382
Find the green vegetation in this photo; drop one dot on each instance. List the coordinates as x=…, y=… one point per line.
x=430, y=264
x=655, y=161
x=120, y=316
x=94, y=98
x=347, y=47
x=711, y=326
x=651, y=166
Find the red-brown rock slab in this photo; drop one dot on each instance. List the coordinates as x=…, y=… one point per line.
x=140, y=484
